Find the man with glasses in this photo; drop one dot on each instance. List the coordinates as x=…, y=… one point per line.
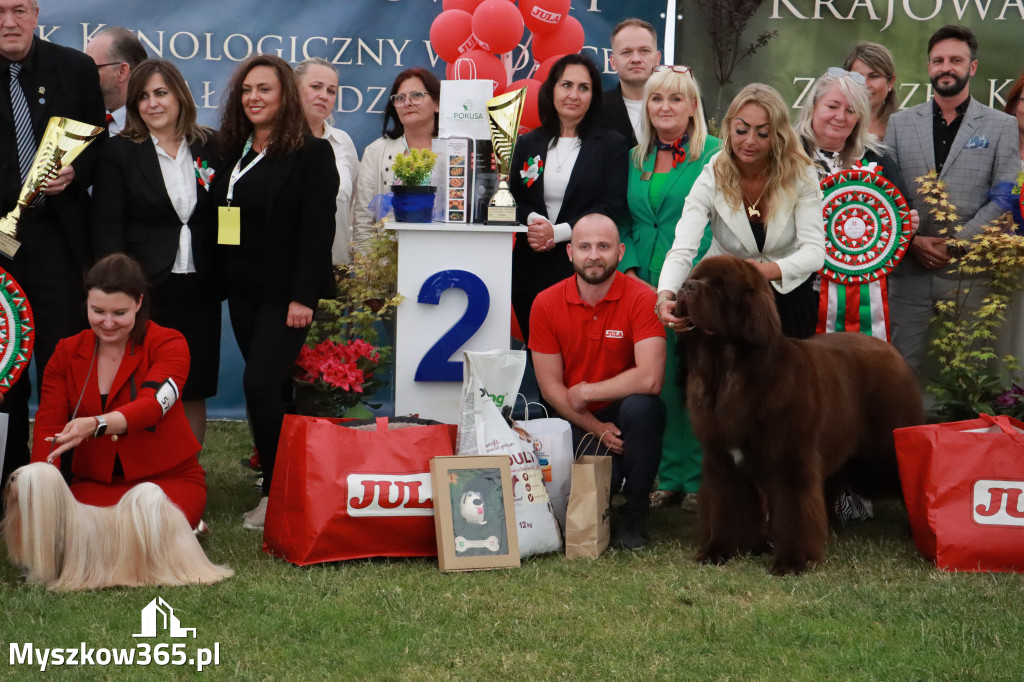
x=972, y=148
x=634, y=55
x=116, y=51
x=40, y=80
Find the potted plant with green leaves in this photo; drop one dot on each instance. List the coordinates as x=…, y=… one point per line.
x=973, y=377
x=413, y=198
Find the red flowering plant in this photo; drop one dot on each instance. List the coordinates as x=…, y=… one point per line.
x=332, y=378
x=342, y=366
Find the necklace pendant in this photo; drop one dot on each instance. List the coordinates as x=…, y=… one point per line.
x=752, y=211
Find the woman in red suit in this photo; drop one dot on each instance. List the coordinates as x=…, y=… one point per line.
x=111, y=393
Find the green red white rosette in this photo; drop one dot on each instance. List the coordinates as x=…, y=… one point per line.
x=867, y=226
x=17, y=331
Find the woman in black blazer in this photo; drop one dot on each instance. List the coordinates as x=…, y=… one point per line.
x=151, y=200
x=283, y=183
x=567, y=168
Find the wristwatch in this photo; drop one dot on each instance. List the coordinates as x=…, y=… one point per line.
x=101, y=427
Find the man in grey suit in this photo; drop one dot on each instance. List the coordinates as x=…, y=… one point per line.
x=972, y=147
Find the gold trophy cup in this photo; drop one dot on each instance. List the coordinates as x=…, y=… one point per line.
x=62, y=142
x=503, y=114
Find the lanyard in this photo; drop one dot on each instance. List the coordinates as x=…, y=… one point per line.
x=238, y=171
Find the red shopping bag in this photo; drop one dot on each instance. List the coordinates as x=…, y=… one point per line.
x=963, y=483
x=342, y=493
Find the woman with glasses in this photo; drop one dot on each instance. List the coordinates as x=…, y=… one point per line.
x=318, y=88
x=761, y=196
x=875, y=63
x=277, y=197
x=568, y=167
x=410, y=122
x=151, y=200
x=674, y=146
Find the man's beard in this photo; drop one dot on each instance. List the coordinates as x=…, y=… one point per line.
x=949, y=91
x=606, y=272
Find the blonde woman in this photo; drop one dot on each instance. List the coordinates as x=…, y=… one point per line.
x=318, y=89
x=674, y=146
x=761, y=196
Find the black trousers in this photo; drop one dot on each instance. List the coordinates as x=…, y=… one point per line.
x=269, y=348
x=641, y=418
x=52, y=282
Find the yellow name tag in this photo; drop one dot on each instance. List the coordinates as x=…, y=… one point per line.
x=229, y=225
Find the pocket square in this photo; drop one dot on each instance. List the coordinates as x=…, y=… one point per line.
x=977, y=142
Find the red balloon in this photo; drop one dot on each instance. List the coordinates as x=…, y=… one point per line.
x=451, y=34
x=530, y=118
x=479, y=64
x=567, y=38
x=541, y=74
x=498, y=25
x=464, y=5
x=543, y=16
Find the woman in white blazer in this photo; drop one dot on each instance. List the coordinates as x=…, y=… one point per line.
x=761, y=196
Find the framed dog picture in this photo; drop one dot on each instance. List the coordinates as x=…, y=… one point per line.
x=474, y=517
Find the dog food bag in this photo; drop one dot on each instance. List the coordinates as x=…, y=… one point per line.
x=535, y=519
x=493, y=376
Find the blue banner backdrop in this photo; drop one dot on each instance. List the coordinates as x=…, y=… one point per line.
x=369, y=42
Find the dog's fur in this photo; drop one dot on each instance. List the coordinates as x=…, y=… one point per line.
x=778, y=418
x=64, y=545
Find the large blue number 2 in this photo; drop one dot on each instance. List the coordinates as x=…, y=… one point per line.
x=437, y=364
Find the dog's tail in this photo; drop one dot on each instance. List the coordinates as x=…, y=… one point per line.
x=157, y=545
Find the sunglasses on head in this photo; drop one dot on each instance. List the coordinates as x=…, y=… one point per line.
x=672, y=67
x=836, y=72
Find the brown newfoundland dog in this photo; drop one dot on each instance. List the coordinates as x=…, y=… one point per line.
x=781, y=419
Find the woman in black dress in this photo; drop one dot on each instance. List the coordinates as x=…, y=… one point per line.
x=567, y=168
x=276, y=226
x=151, y=200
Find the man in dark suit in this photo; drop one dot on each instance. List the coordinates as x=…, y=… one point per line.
x=50, y=80
x=634, y=55
x=116, y=51
x=972, y=147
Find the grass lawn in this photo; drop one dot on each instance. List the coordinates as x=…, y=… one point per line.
x=872, y=610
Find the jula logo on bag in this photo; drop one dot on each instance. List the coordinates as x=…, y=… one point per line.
x=998, y=503
x=390, y=495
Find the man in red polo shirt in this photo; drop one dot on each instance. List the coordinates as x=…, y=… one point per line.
x=599, y=355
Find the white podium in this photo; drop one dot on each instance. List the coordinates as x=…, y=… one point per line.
x=457, y=282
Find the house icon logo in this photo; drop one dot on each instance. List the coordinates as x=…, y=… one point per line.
x=159, y=613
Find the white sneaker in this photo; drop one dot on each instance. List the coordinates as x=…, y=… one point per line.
x=254, y=518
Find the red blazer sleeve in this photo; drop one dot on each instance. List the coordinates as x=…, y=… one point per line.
x=55, y=401
x=168, y=356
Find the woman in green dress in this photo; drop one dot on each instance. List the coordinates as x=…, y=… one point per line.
x=673, y=147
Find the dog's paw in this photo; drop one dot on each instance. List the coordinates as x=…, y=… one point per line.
x=788, y=565
x=713, y=555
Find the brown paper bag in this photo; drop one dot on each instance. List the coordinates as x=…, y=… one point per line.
x=588, y=518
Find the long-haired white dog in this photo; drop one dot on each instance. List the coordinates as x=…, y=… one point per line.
x=142, y=540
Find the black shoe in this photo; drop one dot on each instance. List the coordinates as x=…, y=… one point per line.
x=631, y=530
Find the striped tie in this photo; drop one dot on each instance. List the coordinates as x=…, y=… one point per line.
x=22, y=124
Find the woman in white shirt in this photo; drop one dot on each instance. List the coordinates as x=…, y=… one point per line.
x=410, y=122
x=318, y=88
x=151, y=201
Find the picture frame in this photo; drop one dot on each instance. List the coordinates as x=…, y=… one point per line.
x=474, y=513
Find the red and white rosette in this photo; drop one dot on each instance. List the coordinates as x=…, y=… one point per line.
x=867, y=232
x=17, y=331
x=867, y=226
